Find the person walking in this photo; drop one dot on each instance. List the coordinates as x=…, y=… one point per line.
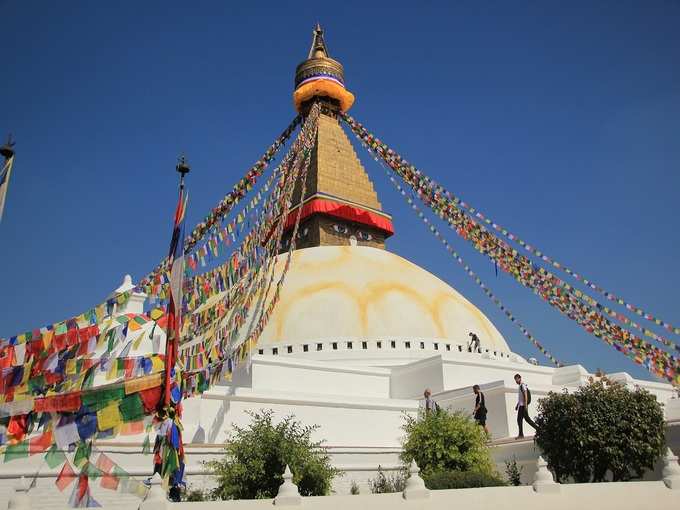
x=523, y=401
x=480, y=411
x=430, y=405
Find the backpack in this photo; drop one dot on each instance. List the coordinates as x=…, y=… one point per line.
x=528, y=396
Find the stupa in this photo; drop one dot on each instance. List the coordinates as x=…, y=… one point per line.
x=357, y=336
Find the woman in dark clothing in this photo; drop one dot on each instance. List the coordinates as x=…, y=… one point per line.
x=480, y=408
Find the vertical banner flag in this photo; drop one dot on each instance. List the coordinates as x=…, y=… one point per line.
x=176, y=260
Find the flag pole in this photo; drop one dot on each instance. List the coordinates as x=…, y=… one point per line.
x=177, y=245
x=7, y=151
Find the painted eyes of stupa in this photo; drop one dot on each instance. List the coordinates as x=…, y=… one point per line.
x=360, y=234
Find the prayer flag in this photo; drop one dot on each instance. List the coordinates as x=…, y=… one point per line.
x=40, y=443
x=16, y=451
x=65, y=477
x=104, y=463
x=82, y=454
x=109, y=482
x=176, y=260
x=146, y=447
x=54, y=457
x=108, y=417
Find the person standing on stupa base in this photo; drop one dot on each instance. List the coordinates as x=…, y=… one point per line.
x=523, y=401
x=474, y=344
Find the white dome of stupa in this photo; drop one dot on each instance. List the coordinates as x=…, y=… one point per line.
x=364, y=293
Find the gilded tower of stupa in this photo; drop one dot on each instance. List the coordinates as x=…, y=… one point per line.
x=340, y=206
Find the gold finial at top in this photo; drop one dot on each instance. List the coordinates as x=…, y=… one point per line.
x=7, y=150
x=318, y=49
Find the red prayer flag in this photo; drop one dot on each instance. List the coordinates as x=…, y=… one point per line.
x=104, y=463
x=132, y=428
x=40, y=444
x=66, y=477
x=109, y=482
x=150, y=398
x=17, y=426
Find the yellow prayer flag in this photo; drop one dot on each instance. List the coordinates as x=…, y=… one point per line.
x=157, y=364
x=112, y=373
x=142, y=383
x=47, y=337
x=71, y=367
x=108, y=417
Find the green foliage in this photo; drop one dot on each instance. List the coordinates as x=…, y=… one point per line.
x=354, y=489
x=383, y=484
x=194, y=495
x=256, y=457
x=446, y=441
x=599, y=428
x=513, y=471
x=461, y=480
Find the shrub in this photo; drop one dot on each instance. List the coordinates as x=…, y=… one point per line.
x=513, y=471
x=194, y=495
x=601, y=427
x=446, y=441
x=462, y=480
x=256, y=456
x=383, y=484
x=354, y=489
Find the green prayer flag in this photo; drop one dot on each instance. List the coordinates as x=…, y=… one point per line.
x=99, y=399
x=119, y=472
x=16, y=451
x=132, y=408
x=92, y=471
x=170, y=463
x=82, y=454
x=36, y=383
x=146, y=447
x=54, y=457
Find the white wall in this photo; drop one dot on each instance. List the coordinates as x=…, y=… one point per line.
x=303, y=376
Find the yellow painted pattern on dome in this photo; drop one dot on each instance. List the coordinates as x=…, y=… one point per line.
x=361, y=292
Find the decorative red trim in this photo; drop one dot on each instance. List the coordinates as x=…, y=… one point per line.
x=344, y=212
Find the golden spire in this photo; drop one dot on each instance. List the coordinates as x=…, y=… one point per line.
x=320, y=76
x=318, y=48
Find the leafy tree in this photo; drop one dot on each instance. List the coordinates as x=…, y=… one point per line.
x=445, y=441
x=601, y=427
x=257, y=455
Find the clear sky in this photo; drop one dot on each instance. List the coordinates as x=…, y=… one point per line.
x=560, y=120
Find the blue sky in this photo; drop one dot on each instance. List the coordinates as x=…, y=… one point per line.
x=559, y=120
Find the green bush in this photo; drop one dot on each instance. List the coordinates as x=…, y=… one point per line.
x=256, y=456
x=599, y=428
x=446, y=441
x=383, y=484
x=513, y=471
x=194, y=495
x=354, y=488
x=461, y=480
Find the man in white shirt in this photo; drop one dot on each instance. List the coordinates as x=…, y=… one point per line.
x=522, y=406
